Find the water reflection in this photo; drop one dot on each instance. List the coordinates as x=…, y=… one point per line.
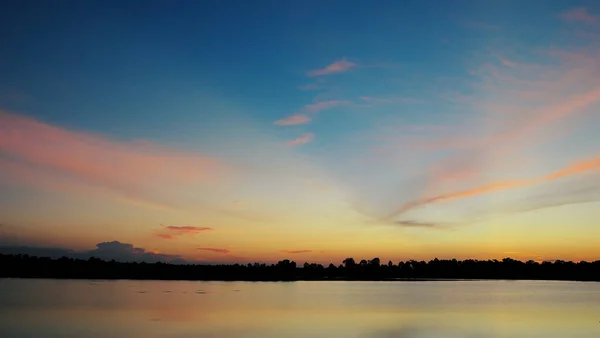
x=478, y=309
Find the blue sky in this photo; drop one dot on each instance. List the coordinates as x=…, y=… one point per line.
x=107, y=57
x=410, y=115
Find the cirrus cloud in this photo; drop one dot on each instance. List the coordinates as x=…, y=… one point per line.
x=295, y=251
x=572, y=169
x=216, y=250
x=173, y=231
x=339, y=66
x=47, y=156
x=293, y=120
x=322, y=105
x=304, y=139
x=185, y=228
x=311, y=108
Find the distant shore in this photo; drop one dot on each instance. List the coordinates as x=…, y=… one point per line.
x=399, y=280
x=24, y=266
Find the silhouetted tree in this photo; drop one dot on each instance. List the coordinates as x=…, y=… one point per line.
x=25, y=266
x=349, y=263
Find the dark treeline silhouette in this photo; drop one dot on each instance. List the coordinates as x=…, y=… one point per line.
x=25, y=266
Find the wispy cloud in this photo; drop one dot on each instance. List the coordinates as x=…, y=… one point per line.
x=572, y=193
x=312, y=108
x=20, y=173
x=173, y=231
x=185, y=228
x=517, y=109
x=339, y=66
x=416, y=224
x=579, y=14
x=306, y=138
x=574, y=168
x=295, y=251
x=323, y=105
x=124, y=170
x=293, y=120
x=223, y=251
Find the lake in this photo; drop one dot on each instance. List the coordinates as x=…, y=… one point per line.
x=471, y=309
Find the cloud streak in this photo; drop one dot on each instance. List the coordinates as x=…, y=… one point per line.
x=339, y=66
x=569, y=195
x=304, y=139
x=295, y=251
x=174, y=231
x=323, y=105
x=517, y=111
x=216, y=250
x=185, y=228
x=128, y=171
x=293, y=120
x=416, y=224
x=572, y=169
x=312, y=108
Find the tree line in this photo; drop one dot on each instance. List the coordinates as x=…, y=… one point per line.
x=25, y=266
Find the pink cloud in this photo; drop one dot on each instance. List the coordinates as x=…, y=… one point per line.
x=18, y=173
x=313, y=108
x=127, y=169
x=323, y=105
x=306, y=138
x=579, y=14
x=339, y=66
x=293, y=120
x=452, y=170
x=185, y=228
x=224, y=251
x=295, y=251
x=501, y=126
x=572, y=169
x=173, y=231
x=524, y=127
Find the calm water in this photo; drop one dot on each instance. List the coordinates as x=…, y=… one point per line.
x=58, y=308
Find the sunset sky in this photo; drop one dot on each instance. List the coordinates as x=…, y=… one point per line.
x=241, y=131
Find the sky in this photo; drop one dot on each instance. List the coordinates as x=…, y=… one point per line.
x=242, y=131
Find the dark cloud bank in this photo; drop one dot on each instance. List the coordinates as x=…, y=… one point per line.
x=123, y=252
